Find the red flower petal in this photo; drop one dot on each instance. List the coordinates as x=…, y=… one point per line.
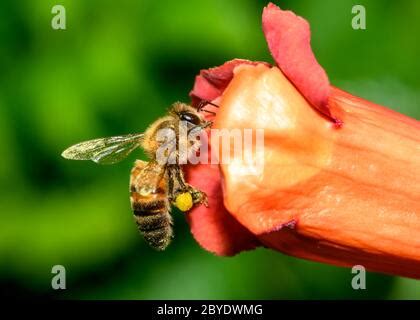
x=203, y=90
x=214, y=228
x=288, y=37
x=211, y=83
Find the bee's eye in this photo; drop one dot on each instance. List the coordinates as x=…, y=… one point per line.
x=190, y=117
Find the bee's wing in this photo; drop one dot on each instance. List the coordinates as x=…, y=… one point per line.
x=104, y=150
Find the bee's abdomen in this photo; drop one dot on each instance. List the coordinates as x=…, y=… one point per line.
x=153, y=219
x=156, y=230
x=151, y=207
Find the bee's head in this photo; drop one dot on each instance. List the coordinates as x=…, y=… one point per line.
x=190, y=117
x=188, y=114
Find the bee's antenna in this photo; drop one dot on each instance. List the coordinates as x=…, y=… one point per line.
x=208, y=111
x=203, y=103
x=213, y=104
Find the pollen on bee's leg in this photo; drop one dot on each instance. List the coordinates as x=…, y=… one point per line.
x=184, y=201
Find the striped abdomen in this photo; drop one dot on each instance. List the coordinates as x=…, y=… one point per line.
x=151, y=209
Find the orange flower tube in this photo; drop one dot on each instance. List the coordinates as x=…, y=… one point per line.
x=341, y=176
x=347, y=196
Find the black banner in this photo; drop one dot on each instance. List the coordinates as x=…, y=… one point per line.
x=216, y=309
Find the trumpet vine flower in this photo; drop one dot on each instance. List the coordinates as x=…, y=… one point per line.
x=341, y=178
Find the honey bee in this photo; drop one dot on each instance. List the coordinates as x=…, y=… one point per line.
x=157, y=184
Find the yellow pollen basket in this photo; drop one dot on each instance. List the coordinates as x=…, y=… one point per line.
x=184, y=201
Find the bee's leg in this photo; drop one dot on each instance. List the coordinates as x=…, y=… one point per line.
x=198, y=196
x=176, y=182
x=171, y=189
x=179, y=175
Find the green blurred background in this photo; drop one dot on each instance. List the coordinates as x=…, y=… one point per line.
x=115, y=69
